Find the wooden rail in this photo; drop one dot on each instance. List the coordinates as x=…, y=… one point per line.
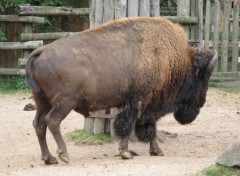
x=24, y=19
x=45, y=36
x=50, y=10
x=21, y=45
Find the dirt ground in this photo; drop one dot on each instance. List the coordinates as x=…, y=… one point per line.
x=187, y=149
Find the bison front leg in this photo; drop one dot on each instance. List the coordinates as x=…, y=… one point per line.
x=124, y=125
x=154, y=148
x=146, y=131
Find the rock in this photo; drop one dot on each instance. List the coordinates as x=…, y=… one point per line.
x=29, y=107
x=231, y=156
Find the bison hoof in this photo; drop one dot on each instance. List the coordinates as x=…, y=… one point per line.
x=63, y=156
x=156, y=152
x=125, y=155
x=50, y=160
x=134, y=153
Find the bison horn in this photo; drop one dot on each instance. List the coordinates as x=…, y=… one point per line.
x=213, y=62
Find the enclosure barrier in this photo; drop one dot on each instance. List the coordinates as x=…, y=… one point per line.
x=29, y=40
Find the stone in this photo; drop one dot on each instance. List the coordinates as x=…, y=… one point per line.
x=231, y=156
x=29, y=107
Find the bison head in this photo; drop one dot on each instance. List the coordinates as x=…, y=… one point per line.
x=193, y=95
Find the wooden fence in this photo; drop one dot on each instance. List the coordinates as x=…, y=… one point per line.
x=221, y=32
x=29, y=40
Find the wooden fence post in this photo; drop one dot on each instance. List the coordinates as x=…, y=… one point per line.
x=92, y=13
x=144, y=8
x=120, y=9
x=216, y=29
x=98, y=12
x=207, y=24
x=108, y=10
x=225, y=36
x=183, y=10
x=199, y=28
x=133, y=8
x=155, y=8
x=27, y=28
x=235, y=47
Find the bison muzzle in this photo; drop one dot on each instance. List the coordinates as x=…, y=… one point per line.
x=144, y=66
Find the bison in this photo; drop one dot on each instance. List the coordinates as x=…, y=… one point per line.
x=144, y=66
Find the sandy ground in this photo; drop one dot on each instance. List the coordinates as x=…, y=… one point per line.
x=187, y=149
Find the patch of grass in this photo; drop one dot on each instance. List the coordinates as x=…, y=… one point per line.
x=13, y=84
x=80, y=137
x=232, y=89
x=214, y=82
x=217, y=170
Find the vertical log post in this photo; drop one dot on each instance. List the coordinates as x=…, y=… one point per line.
x=199, y=28
x=216, y=23
x=92, y=13
x=192, y=13
x=235, y=48
x=120, y=9
x=114, y=112
x=207, y=25
x=27, y=28
x=108, y=14
x=133, y=8
x=99, y=123
x=98, y=12
x=144, y=8
x=183, y=10
x=154, y=8
x=225, y=36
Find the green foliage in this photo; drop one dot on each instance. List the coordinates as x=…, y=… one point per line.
x=2, y=36
x=13, y=84
x=80, y=136
x=11, y=3
x=217, y=170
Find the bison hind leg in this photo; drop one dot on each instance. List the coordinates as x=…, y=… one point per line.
x=43, y=107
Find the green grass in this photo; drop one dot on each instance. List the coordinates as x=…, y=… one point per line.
x=214, y=83
x=232, y=89
x=13, y=84
x=80, y=137
x=217, y=170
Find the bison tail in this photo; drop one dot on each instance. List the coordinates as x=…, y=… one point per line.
x=30, y=73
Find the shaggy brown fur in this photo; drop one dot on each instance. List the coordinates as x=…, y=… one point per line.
x=142, y=65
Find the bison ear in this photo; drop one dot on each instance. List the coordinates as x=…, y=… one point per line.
x=203, y=60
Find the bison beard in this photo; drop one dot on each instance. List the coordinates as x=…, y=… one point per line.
x=186, y=114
